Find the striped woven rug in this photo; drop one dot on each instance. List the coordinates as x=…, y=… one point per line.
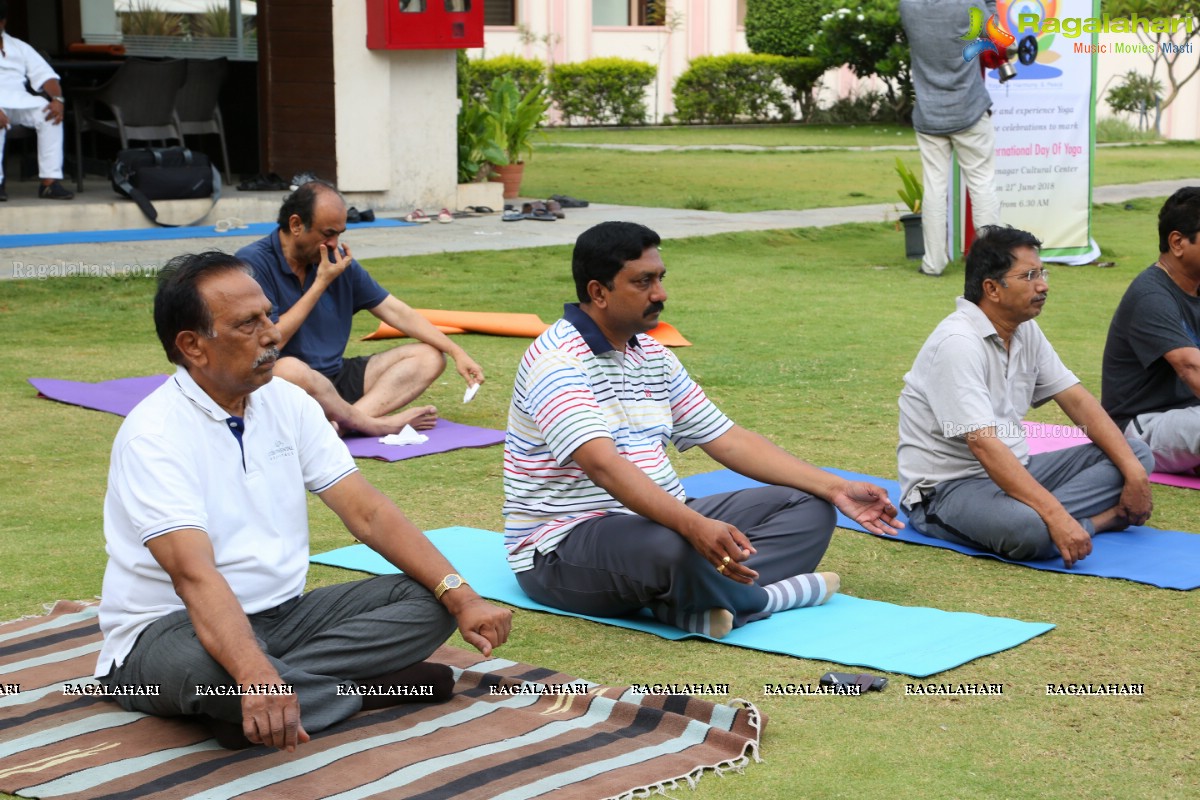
x=503, y=735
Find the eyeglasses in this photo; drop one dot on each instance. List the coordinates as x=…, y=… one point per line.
x=1032, y=275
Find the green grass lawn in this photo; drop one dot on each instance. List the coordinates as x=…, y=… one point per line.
x=804, y=335
x=775, y=135
x=723, y=180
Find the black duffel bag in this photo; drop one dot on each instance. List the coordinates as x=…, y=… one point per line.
x=165, y=173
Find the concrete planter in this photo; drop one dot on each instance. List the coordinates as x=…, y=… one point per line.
x=480, y=193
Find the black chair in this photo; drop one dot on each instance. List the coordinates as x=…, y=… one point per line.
x=140, y=103
x=196, y=102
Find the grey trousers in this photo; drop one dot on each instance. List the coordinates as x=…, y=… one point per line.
x=331, y=636
x=977, y=513
x=618, y=563
x=1173, y=436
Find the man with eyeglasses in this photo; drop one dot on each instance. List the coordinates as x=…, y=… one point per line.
x=965, y=470
x=1151, y=372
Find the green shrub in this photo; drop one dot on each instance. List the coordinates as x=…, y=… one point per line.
x=525, y=72
x=602, y=91
x=782, y=27
x=853, y=109
x=737, y=87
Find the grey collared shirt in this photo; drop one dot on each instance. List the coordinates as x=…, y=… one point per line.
x=964, y=380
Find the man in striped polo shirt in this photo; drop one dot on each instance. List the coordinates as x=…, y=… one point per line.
x=596, y=521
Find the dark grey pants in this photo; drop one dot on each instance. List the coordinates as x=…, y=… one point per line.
x=330, y=636
x=978, y=513
x=618, y=563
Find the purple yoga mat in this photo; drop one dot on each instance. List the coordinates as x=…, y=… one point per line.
x=121, y=395
x=1046, y=438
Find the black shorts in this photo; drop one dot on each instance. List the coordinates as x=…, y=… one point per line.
x=350, y=379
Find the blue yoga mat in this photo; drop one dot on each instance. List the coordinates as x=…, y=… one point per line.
x=847, y=630
x=157, y=234
x=1167, y=559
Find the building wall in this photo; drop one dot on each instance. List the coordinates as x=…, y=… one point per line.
x=562, y=31
x=395, y=119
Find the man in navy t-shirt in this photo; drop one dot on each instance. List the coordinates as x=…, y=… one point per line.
x=316, y=288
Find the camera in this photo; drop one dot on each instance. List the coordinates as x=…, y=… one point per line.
x=1026, y=51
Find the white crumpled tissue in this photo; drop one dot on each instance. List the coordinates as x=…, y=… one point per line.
x=406, y=436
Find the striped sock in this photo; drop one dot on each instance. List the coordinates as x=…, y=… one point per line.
x=801, y=591
x=716, y=622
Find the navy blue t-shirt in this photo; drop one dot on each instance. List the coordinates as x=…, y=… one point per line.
x=321, y=340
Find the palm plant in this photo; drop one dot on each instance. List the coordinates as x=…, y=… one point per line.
x=515, y=117
x=912, y=191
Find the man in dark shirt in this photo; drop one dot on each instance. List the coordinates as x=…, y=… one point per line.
x=316, y=288
x=1151, y=370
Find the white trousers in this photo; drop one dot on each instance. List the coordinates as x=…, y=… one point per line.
x=976, y=151
x=49, y=139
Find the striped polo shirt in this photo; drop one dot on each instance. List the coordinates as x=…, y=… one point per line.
x=572, y=387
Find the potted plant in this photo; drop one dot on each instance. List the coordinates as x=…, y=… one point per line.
x=911, y=192
x=514, y=118
x=478, y=149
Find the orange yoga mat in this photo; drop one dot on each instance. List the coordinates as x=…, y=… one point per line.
x=502, y=324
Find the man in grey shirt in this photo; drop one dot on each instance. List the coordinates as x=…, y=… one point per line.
x=952, y=116
x=966, y=475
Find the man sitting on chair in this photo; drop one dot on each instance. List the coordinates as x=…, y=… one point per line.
x=21, y=64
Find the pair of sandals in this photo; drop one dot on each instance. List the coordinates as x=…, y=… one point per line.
x=421, y=217
x=548, y=211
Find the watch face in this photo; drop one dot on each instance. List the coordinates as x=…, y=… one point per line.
x=453, y=581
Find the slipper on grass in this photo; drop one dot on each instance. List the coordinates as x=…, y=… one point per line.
x=417, y=216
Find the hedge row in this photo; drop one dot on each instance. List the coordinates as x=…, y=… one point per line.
x=600, y=91
x=612, y=91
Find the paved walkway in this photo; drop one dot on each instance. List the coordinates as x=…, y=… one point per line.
x=490, y=233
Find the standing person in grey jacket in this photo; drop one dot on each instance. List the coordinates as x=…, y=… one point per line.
x=952, y=116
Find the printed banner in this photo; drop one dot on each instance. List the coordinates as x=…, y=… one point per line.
x=1045, y=129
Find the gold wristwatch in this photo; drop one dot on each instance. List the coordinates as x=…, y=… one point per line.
x=451, y=581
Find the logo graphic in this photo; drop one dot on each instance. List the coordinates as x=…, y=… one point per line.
x=997, y=39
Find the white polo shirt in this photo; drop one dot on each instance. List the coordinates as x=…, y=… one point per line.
x=177, y=464
x=20, y=61
x=964, y=380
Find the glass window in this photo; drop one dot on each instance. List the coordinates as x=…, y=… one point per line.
x=500, y=12
x=629, y=12
x=610, y=12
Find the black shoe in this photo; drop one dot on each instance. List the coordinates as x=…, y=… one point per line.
x=55, y=191
x=3, y=191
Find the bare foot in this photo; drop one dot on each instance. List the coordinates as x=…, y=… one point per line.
x=422, y=418
x=1110, y=520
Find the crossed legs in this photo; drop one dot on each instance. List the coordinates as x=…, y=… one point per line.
x=394, y=378
x=332, y=636
x=618, y=563
x=977, y=513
